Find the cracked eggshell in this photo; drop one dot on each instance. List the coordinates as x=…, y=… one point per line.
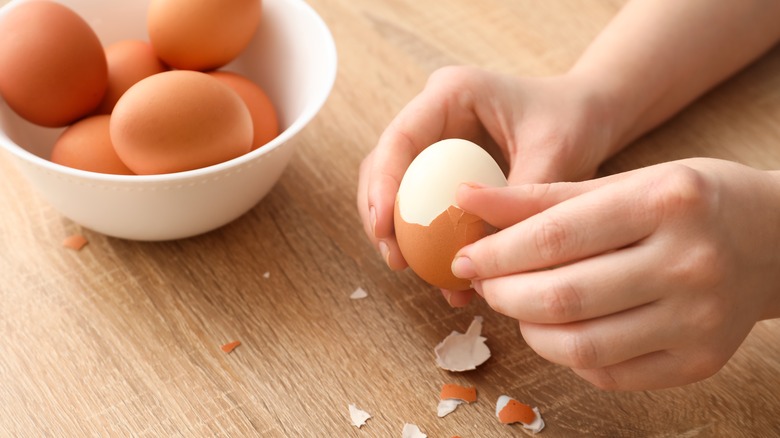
x=429, y=226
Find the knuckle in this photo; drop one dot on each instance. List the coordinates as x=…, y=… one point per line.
x=580, y=351
x=552, y=240
x=702, y=266
x=561, y=301
x=680, y=190
x=452, y=75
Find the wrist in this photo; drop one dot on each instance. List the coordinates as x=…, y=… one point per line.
x=609, y=108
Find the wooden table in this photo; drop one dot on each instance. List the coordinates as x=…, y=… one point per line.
x=123, y=338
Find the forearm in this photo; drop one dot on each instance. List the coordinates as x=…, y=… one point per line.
x=656, y=56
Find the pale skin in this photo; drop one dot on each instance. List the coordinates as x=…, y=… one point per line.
x=666, y=293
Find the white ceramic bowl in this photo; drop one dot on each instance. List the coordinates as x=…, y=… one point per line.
x=292, y=57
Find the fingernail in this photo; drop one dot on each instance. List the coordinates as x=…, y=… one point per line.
x=447, y=294
x=473, y=185
x=463, y=267
x=372, y=219
x=477, y=286
x=385, y=251
x=459, y=299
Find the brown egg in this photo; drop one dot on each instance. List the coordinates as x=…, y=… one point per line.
x=264, y=119
x=129, y=61
x=429, y=226
x=430, y=249
x=179, y=120
x=201, y=34
x=52, y=66
x=86, y=145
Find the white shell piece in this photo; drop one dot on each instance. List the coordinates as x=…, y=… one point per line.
x=463, y=351
x=412, y=431
x=358, y=416
x=447, y=406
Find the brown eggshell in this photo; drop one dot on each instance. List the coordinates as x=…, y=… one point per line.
x=129, y=61
x=429, y=250
x=201, y=34
x=86, y=145
x=179, y=120
x=52, y=67
x=264, y=118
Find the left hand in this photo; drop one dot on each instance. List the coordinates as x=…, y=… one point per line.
x=642, y=280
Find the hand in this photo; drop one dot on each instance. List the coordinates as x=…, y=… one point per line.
x=642, y=280
x=550, y=129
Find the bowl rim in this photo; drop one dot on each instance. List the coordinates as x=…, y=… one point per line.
x=310, y=110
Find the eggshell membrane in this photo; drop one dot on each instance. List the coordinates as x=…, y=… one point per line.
x=264, y=118
x=86, y=145
x=201, y=34
x=52, y=67
x=429, y=226
x=179, y=120
x=129, y=61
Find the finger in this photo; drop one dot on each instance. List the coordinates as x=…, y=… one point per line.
x=387, y=245
x=458, y=298
x=366, y=212
x=656, y=370
x=606, y=218
x=506, y=206
x=590, y=288
x=604, y=341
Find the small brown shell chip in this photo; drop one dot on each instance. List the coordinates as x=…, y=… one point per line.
x=509, y=410
x=230, y=346
x=75, y=242
x=454, y=391
x=514, y=412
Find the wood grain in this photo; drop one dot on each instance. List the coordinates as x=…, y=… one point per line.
x=123, y=338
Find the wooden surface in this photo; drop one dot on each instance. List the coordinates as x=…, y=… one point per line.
x=123, y=338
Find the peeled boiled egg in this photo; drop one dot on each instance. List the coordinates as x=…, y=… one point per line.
x=179, y=120
x=52, y=67
x=86, y=145
x=264, y=118
x=129, y=61
x=201, y=34
x=429, y=225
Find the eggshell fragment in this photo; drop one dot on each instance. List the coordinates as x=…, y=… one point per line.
x=201, y=34
x=429, y=226
x=179, y=120
x=452, y=396
x=454, y=391
x=358, y=416
x=264, y=118
x=129, y=61
x=358, y=294
x=463, y=351
x=52, y=67
x=75, y=242
x=412, y=431
x=230, y=346
x=509, y=410
x=86, y=145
